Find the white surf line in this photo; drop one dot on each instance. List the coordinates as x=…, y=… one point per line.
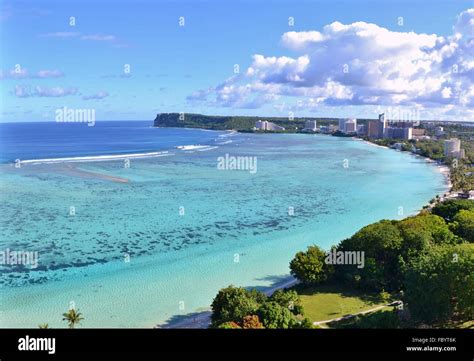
x=98, y=158
x=192, y=147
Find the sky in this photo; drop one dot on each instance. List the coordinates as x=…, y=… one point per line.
x=130, y=60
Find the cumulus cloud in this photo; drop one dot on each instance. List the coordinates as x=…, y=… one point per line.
x=97, y=96
x=22, y=91
x=359, y=64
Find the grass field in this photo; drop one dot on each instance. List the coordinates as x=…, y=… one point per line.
x=332, y=301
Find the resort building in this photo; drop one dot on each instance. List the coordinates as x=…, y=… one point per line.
x=362, y=129
x=373, y=129
x=348, y=125
x=418, y=132
x=327, y=129
x=452, y=148
x=398, y=133
x=266, y=125
x=341, y=125
x=310, y=126
x=376, y=129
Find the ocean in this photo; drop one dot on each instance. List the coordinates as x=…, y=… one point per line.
x=138, y=226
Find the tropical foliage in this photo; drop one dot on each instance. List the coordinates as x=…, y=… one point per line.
x=309, y=266
x=236, y=307
x=72, y=317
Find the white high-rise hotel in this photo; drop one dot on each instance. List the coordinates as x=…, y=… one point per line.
x=266, y=125
x=310, y=126
x=348, y=125
x=452, y=148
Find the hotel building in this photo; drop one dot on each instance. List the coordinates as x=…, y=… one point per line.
x=452, y=148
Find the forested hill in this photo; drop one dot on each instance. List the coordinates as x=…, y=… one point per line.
x=216, y=122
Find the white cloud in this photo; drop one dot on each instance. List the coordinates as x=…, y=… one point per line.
x=60, y=34
x=22, y=91
x=98, y=37
x=77, y=35
x=25, y=74
x=360, y=64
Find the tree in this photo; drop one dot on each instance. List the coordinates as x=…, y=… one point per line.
x=43, y=325
x=233, y=304
x=422, y=231
x=309, y=267
x=448, y=209
x=251, y=321
x=290, y=300
x=229, y=325
x=303, y=324
x=275, y=316
x=72, y=317
x=463, y=225
x=440, y=282
x=381, y=243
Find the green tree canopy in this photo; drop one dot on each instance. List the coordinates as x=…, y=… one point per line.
x=448, y=209
x=381, y=243
x=290, y=300
x=275, y=316
x=234, y=303
x=440, y=284
x=422, y=231
x=463, y=225
x=309, y=267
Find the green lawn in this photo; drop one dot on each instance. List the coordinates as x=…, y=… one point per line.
x=332, y=301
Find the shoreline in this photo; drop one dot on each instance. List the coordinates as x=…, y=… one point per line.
x=200, y=316
x=442, y=168
x=202, y=319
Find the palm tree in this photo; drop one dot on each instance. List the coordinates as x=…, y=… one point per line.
x=73, y=317
x=43, y=325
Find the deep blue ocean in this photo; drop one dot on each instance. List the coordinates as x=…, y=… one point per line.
x=26, y=141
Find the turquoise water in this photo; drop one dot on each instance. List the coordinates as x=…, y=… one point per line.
x=178, y=262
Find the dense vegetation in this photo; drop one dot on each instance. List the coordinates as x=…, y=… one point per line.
x=236, y=307
x=240, y=123
x=464, y=133
x=427, y=261
x=429, y=257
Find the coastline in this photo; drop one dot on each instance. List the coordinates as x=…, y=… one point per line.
x=442, y=168
x=196, y=320
x=202, y=319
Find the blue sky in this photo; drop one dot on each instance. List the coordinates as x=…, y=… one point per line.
x=190, y=68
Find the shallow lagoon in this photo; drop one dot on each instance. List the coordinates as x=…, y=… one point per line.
x=139, y=253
